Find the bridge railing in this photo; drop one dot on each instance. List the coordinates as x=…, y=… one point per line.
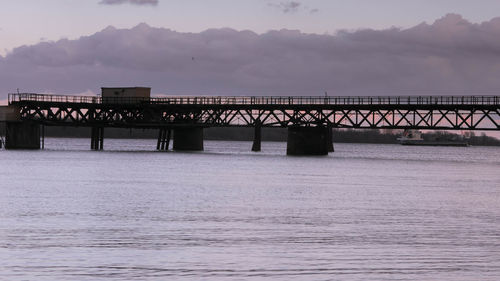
x=263, y=100
x=13, y=98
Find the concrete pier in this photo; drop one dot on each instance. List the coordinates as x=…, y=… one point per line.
x=329, y=139
x=22, y=135
x=188, y=138
x=307, y=141
x=97, y=138
x=257, y=137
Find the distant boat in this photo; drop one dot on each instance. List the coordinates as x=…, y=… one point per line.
x=414, y=137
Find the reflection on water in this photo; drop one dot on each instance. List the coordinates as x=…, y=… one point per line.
x=364, y=212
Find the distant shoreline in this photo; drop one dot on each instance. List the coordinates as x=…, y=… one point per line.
x=375, y=136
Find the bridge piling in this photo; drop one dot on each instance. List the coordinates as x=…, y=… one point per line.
x=329, y=139
x=160, y=138
x=307, y=141
x=92, y=138
x=169, y=136
x=188, y=138
x=101, y=138
x=43, y=136
x=257, y=137
x=22, y=135
x=97, y=138
x=164, y=139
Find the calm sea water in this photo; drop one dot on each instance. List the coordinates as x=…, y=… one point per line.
x=365, y=212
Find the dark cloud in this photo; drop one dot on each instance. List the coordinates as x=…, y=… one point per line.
x=134, y=2
x=287, y=7
x=450, y=56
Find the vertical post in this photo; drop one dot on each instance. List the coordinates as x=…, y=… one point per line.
x=92, y=138
x=159, y=139
x=163, y=137
x=97, y=138
x=169, y=135
x=257, y=137
x=101, y=138
x=43, y=136
x=329, y=139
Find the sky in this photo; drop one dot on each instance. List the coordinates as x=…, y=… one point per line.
x=355, y=47
x=31, y=21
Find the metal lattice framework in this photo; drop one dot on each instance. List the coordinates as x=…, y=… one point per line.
x=424, y=112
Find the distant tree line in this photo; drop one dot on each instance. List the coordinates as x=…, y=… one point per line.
x=469, y=136
x=275, y=134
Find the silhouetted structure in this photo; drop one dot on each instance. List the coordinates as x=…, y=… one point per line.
x=308, y=119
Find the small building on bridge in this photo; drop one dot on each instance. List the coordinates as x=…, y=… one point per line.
x=125, y=95
x=10, y=113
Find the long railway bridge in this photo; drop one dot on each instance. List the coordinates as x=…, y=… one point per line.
x=309, y=119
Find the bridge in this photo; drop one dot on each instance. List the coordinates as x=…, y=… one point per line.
x=309, y=119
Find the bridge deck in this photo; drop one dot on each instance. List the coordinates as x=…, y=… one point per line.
x=391, y=112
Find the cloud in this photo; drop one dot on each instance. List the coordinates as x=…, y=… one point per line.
x=449, y=56
x=290, y=7
x=134, y=2
x=287, y=7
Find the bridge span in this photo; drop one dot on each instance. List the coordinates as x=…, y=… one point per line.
x=309, y=119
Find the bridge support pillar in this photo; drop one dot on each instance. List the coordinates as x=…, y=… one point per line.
x=329, y=139
x=164, y=139
x=307, y=141
x=22, y=135
x=188, y=138
x=257, y=137
x=97, y=138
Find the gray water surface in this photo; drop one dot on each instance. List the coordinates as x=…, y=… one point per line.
x=365, y=212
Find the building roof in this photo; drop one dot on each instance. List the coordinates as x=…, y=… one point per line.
x=125, y=87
